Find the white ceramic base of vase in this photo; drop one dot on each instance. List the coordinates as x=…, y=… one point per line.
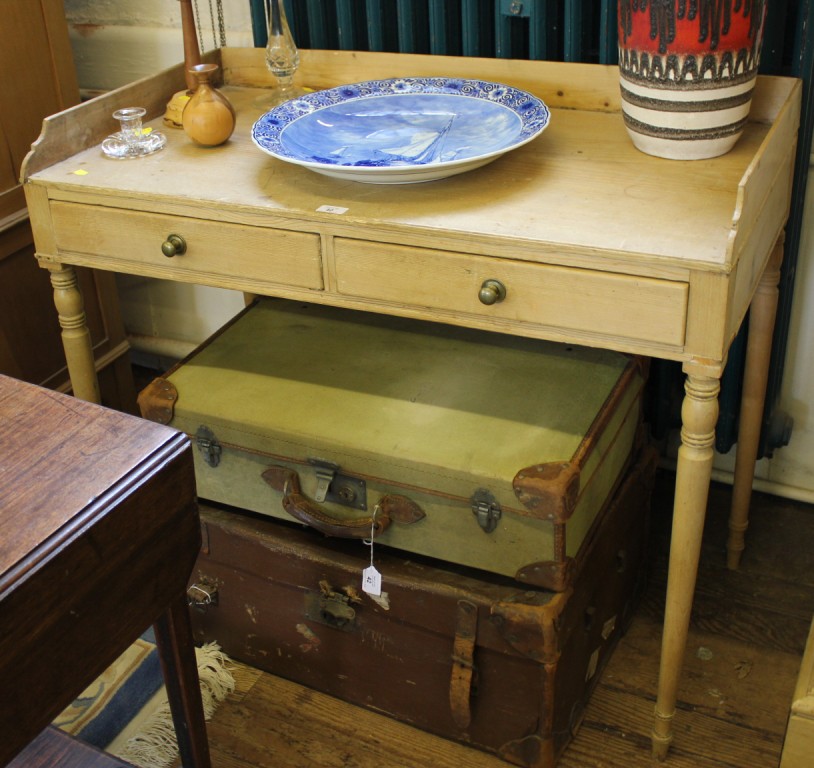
x=694, y=149
x=691, y=121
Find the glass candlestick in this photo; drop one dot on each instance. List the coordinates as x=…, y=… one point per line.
x=131, y=140
x=282, y=56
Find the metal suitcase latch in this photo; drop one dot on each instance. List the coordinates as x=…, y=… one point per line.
x=208, y=445
x=331, y=608
x=486, y=509
x=333, y=485
x=202, y=594
x=335, y=611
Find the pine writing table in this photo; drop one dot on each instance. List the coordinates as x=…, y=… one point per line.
x=595, y=243
x=99, y=532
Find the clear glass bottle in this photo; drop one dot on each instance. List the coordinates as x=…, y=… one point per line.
x=282, y=56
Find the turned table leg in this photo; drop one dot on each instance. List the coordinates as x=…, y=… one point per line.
x=756, y=374
x=699, y=414
x=75, y=334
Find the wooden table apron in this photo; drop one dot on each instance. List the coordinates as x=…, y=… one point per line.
x=596, y=243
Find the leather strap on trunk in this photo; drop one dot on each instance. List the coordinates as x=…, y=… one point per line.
x=463, y=663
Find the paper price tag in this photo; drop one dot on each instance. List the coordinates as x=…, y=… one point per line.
x=371, y=581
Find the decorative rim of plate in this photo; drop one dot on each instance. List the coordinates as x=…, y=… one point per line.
x=533, y=113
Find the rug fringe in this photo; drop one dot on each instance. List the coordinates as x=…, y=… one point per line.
x=156, y=745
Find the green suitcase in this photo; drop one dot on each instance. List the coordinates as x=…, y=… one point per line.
x=491, y=451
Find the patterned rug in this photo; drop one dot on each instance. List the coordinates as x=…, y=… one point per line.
x=125, y=710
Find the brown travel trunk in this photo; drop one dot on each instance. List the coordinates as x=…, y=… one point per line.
x=466, y=654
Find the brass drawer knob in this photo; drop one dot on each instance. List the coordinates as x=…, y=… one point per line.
x=492, y=292
x=174, y=245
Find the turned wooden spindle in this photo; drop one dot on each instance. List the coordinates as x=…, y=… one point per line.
x=755, y=379
x=192, y=51
x=192, y=57
x=699, y=412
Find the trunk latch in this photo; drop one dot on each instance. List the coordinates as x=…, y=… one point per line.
x=202, y=594
x=335, y=486
x=208, y=446
x=486, y=509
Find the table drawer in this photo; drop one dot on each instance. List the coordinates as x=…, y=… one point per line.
x=213, y=248
x=646, y=309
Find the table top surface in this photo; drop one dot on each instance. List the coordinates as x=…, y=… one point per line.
x=99, y=532
x=598, y=243
x=59, y=457
x=53, y=747
x=580, y=186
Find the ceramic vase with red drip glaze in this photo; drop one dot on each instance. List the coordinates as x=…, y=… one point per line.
x=687, y=69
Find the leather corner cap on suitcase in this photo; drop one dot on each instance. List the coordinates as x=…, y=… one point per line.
x=491, y=451
x=471, y=656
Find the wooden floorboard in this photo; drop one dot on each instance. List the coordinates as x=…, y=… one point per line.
x=747, y=635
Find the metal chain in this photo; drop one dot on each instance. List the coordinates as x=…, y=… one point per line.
x=212, y=24
x=198, y=22
x=218, y=35
x=221, y=25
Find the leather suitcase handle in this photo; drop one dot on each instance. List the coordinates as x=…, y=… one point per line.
x=390, y=507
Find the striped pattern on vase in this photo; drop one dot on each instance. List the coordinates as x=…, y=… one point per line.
x=687, y=71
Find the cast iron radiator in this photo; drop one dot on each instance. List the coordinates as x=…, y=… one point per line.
x=580, y=30
x=519, y=29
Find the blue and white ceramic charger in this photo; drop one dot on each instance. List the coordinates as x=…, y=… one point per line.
x=402, y=130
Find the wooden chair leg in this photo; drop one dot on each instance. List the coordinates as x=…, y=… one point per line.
x=756, y=374
x=173, y=633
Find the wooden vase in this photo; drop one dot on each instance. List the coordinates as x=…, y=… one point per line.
x=208, y=117
x=687, y=73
